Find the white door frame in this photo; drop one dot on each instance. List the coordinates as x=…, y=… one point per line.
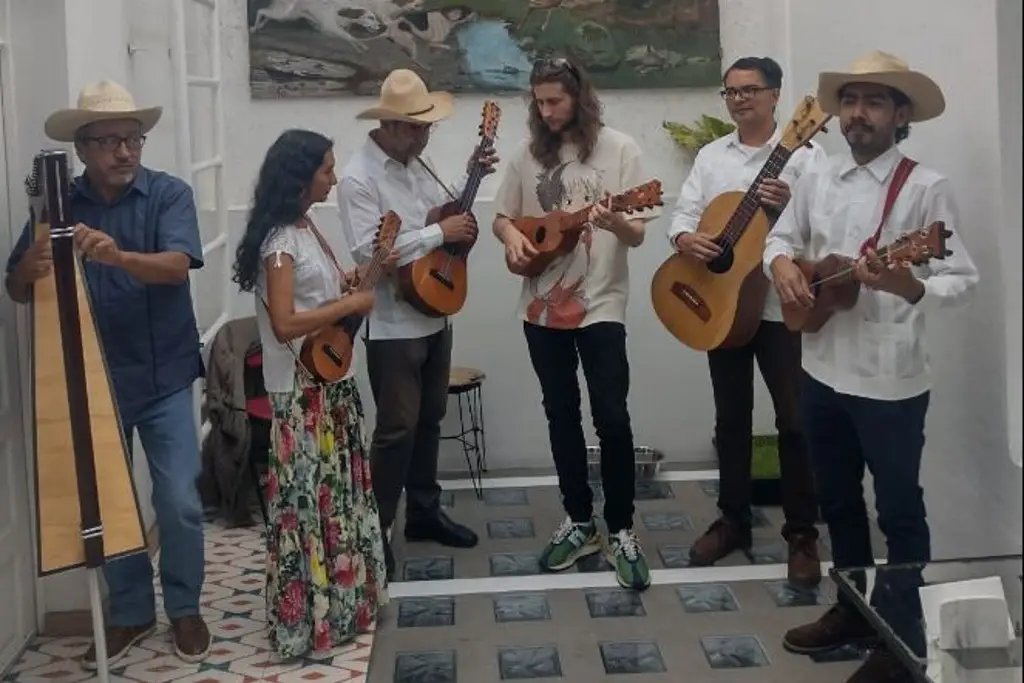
x=15, y=218
x=192, y=169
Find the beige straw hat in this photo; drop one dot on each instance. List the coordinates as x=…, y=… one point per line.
x=102, y=101
x=404, y=97
x=882, y=68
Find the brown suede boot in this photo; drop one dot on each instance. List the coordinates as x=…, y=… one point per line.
x=804, y=563
x=191, y=638
x=120, y=639
x=721, y=539
x=840, y=625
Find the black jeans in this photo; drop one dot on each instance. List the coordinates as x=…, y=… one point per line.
x=777, y=351
x=409, y=380
x=556, y=355
x=845, y=434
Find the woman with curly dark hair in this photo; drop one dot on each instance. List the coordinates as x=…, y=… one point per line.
x=325, y=558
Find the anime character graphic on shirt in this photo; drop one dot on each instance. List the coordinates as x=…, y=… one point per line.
x=559, y=296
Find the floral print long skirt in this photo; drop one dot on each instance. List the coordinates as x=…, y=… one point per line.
x=325, y=555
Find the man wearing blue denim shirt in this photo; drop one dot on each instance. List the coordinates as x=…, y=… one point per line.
x=138, y=231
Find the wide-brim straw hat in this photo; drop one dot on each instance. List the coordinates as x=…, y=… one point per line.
x=404, y=97
x=101, y=101
x=882, y=68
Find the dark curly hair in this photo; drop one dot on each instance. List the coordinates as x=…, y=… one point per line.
x=545, y=145
x=286, y=173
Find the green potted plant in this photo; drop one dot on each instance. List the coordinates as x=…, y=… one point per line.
x=703, y=131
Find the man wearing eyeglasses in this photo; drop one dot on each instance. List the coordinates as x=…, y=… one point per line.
x=138, y=231
x=574, y=312
x=732, y=163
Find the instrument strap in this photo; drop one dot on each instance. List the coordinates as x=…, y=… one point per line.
x=899, y=179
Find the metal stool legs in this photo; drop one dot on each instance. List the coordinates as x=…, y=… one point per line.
x=471, y=435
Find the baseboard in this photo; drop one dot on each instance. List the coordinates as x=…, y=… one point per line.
x=78, y=622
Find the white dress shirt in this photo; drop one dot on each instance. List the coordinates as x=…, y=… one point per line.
x=877, y=349
x=371, y=184
x=728, y=165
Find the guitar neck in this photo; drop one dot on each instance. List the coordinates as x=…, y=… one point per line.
x=579, y=217
x=476, y=177
x=744, y=213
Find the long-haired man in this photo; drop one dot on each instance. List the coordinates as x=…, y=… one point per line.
x=574, y=312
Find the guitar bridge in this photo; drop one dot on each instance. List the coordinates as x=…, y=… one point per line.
x=443, y=279
x=694, y=301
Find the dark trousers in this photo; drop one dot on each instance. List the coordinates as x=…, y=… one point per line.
x=556, y=355
x=845, y=434
x=777, y=351
x=409, y=381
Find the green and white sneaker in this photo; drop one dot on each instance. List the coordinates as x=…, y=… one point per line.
x=627, y=557
x=571, y=542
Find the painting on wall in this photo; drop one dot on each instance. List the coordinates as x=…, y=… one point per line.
x=332, y=48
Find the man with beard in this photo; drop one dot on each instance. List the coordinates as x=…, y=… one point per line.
x=408, y=354
x=732, y=163
x=574, y=312
x=866, y=380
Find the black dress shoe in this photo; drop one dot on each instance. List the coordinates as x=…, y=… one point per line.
x=440, y=529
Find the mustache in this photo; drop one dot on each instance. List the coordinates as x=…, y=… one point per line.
x=860, y=125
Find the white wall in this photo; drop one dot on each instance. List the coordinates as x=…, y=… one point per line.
x=1008, y=17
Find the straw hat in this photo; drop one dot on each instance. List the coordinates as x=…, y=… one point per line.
x=404, y=97
x=102, y=101
x=882, y=68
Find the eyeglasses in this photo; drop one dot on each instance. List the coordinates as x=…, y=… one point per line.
x=743, y=93
x=109, y=143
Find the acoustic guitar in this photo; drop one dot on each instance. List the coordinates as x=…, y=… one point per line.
x=833, y=284
x=327, y=354
x=558, y=232
x=436, y=284
x=718, y=304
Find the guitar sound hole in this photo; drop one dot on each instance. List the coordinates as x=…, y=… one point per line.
x=721, y=263
x=442, y=278
x=542, y=233
x=333, y=355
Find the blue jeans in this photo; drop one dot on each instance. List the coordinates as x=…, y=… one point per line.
x=167, y=430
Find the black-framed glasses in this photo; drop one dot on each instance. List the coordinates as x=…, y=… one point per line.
x=744, y=93
x=556, y=64
x=109, y=143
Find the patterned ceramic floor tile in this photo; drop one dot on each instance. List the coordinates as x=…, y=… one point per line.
x=233, y=605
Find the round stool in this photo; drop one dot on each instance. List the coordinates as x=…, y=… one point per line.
x=466, y=384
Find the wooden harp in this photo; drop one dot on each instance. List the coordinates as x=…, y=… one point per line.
x=85, y=496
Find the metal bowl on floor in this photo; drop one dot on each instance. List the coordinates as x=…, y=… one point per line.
x=648, y=462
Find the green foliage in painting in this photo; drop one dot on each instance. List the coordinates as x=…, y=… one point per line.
x=692, y=138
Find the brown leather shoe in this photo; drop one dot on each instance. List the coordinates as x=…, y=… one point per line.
x=120, y=639
x=881, y=666
x=720, y=540
x=191, y=638
x=804, y=563
x=840, y=625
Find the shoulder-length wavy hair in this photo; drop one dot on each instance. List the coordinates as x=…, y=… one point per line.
x=585, y=126
x=280, y=195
